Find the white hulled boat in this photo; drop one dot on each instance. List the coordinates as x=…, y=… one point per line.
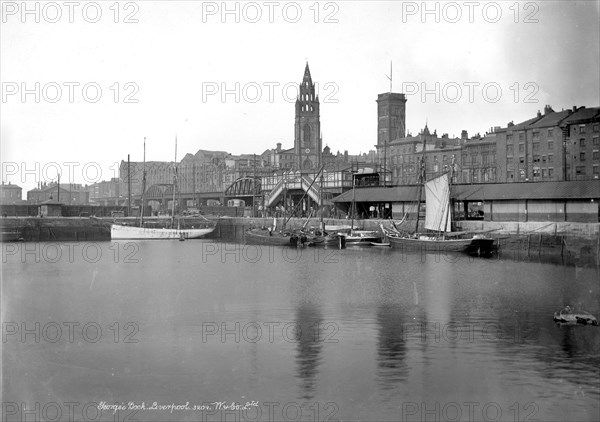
x=175, y=231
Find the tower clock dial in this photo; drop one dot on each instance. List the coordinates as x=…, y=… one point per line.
x=307, y=150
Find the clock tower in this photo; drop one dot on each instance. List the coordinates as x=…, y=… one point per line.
x=307, y=128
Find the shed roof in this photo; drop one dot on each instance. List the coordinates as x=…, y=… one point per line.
x=587, y=189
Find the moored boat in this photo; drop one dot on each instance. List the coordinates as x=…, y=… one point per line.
x=568, y=316
x=174, y=231
x=121, y=232
x=275, y=238
x=438, y=221
x=11, y=236
x=362, y=237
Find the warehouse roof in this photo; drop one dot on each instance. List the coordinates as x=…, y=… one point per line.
x=586, y=189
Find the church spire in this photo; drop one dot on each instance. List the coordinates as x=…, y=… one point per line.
x=307, y=77
x=307, y=128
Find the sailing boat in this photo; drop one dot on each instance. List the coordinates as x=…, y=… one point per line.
x=121, y=232
x=270, y=235
x=324, y=236
x=438, y=220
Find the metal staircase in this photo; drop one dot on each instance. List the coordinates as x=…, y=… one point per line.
x=297, y=182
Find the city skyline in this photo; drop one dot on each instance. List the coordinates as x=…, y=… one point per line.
x=552, y=61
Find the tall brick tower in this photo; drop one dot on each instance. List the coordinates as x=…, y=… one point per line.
x=391, y=118
x=307, y=128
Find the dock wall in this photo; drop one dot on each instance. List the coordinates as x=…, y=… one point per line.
x=530, y=237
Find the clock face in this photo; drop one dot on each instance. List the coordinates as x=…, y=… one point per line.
x=307, y=150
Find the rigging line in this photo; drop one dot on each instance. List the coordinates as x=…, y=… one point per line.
x=305, y=193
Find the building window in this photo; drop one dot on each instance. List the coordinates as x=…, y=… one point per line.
x=596, y=127
x=582, y=156
x=543, y=173
x=595, y=171
x=536, y=172
x=596, y=141
x=550, y=158
x=521, y=136
x=509, y=150
x=510, y=175
x=522, y=160
x=509, y=161
x=582, y=129
x=582, y=142
x=536, y=158
x=536, y=146
x=550, y=172
x=536, y=135
x=549, y=133
x=521, y=147
x=596, y=155
x=509, y=137
x=580, y=170
x=550, y=145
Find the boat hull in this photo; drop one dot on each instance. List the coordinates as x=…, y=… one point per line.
x=10, y=236
x=448, y=245
x=362, y=238
x=118, y=232
x=327, y=240
x=263, y=237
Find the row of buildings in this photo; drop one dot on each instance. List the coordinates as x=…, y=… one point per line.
x=551, y=146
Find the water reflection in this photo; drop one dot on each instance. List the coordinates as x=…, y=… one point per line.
x=309, y=336
x=391, y=346
x=412, y=329
x=309, y=333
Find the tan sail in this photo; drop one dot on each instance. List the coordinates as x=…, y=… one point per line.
x=437, y=199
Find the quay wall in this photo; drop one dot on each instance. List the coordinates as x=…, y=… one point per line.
x=533, y=237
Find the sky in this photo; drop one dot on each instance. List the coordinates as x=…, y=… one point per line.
x=84, y=83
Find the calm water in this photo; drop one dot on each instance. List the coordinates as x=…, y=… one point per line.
x=369, y=334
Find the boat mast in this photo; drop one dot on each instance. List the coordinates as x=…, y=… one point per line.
x=174, y=185
x=353, y=200
x=128, y=186
x=143, y=187
x=450, y=202
x=321, y=204
x=421, y=181
x=284, y=174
